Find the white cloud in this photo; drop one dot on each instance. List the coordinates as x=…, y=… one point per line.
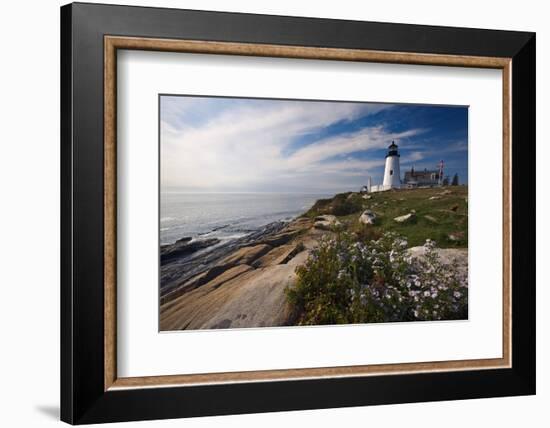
x=249, y=147
x=366, y=139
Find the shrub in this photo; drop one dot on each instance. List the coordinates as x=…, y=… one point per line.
x=345, y=203
x=341, y=204
x=365, y=233
x=321, y=206
x=347, y=281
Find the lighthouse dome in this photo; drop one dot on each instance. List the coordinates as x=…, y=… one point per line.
x=392, y=150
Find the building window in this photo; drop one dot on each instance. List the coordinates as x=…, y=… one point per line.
x=391, y=171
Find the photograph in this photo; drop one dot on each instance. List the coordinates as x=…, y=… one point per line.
x=267, y=211
x=282, y=212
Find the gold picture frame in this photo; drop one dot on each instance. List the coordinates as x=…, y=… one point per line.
x=114, y=43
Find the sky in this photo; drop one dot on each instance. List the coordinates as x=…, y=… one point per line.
x=215, y=144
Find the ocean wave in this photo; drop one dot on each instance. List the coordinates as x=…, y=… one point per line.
x=232, y=237
x=228, y=216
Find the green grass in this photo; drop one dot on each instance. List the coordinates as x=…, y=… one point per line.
x=450, y=213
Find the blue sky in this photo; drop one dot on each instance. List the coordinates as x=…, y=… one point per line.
x=212, y=144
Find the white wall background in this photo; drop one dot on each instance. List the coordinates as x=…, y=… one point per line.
x=29, y=214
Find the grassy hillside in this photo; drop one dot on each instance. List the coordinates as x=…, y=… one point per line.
x=443, y=218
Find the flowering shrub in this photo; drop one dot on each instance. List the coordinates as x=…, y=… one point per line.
x=344, y=281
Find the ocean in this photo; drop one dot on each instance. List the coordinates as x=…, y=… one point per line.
x=226, y=216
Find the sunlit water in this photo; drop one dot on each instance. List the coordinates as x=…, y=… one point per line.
x=226, y=215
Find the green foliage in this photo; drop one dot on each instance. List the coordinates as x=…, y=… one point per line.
x=345, y=204
x=365, y=233
x=348, y=281
x=341, y=204
x=435, y=218
x=321, y=206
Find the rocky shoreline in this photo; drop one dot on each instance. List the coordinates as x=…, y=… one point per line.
x=240, y=284
x=189, y=257
x=209, y=284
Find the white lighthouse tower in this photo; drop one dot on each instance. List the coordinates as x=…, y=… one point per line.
x=392, y=174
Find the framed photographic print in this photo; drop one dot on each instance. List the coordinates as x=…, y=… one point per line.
x=266, y=213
